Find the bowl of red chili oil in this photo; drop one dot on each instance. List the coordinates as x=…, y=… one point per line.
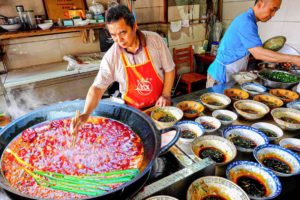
x=281, y=161
x=256, y=180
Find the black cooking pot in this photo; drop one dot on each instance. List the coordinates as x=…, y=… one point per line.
x=139, y=122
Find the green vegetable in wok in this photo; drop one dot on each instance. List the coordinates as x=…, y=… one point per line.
x=90, y=185
x=280, y=77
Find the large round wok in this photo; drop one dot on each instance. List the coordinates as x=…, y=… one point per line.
x=139, y=122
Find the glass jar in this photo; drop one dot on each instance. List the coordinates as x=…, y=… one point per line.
x=31, y=19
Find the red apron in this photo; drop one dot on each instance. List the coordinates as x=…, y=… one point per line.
x=143, y=84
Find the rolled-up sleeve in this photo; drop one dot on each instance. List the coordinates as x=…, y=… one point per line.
x=105, y=74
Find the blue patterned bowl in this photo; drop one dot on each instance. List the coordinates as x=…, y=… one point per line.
x=245, y=138
x=274, y=156
x=253, y=88
x=212, y=186
x=187, y=125
x=294, y=105
x=256, y=180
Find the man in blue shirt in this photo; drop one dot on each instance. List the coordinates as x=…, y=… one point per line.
x=241, y=39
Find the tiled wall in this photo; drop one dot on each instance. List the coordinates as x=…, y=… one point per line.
x=32, y=51
x=195, y=34
x=148, y=10
x=286, y=21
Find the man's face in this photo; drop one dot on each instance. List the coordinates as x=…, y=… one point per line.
x=122, y=33
x=268, y=9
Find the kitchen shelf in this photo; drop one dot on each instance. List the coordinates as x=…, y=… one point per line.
x=55, y=30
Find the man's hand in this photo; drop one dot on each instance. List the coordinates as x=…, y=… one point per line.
x=296, y=60
x=75, y=124
x=163, y=101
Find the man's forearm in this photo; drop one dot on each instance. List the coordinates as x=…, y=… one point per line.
x=92, y=99
x=270, y=56
x=168, y=83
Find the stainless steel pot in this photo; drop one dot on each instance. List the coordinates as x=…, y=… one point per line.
x=273, y=84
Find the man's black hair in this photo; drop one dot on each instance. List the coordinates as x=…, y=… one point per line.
x=256, y=2
x=115, y=13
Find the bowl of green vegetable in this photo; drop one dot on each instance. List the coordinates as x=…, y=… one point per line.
x=277, y=79
x=166, y=117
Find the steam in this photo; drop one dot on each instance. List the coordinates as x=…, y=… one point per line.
x=22, y=101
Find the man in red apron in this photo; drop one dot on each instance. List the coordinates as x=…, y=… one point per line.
x=139, y=61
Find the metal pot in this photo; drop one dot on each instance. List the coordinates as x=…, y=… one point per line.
x=273, y=84
x=266, y=65
x=139, y=122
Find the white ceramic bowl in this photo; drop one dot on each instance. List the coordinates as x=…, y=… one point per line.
x=174, y=112
x=210, y=99
x=11, y=27
x=250, y=109
x=161, y=197
x=218, y=113
x=235, y=132
x=292, y=144
x=279, y=113
x=294, y=105
x=214, y=185
x=240, y=170
x=45, y=26
x=253, y=88
x=278, y=153
x=205, y=144
x=187, y=125
x=244, y=77
x=211, y=121
x=263, y=127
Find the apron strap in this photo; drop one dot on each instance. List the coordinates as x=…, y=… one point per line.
x=124, y=59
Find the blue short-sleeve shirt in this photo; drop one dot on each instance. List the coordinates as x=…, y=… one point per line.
x=241, y=35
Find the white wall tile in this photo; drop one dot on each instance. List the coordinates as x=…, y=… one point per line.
x=233, y=9
x=292, y=32
x=270, y=29
x=292, y=10
x=183, y=12
x=29, y=54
